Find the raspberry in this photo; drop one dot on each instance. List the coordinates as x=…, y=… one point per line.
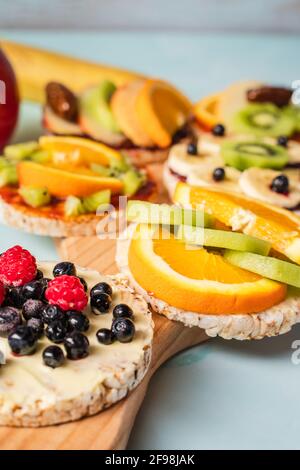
x=17, y=267
x=67, y=292
x=2, y=293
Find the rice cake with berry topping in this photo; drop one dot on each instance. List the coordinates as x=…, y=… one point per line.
x=32, y=394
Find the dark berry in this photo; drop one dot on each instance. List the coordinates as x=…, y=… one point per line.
x=105, y=336
x=218, y=130
x=32, y=309
x=84, y=283
x=14, y=297
x=22, y=340
x=52, y=313
x=76, y=345
x=53, y=356
x=77, y=321
x=282, y=140
x=44, y=283
x=37, y=326
x=218, y=174
x=100, y=303
x=122, y=310
x=123, y=329
x=280, y=184
x=101, y=288
x=10, y=318
x=64, y=268
x=39, y=275
x=33, y=290
x=192, y=148
x=56, y=331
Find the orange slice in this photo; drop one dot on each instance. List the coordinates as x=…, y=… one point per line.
x=197, y=280
x=205, y=111
x=278, y=226
x=161, y=110
x=72, y=149
x=62, y=183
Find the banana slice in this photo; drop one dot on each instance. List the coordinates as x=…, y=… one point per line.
x=184, y=164
x=256, y=183
x=204, y=177
x=294, y=152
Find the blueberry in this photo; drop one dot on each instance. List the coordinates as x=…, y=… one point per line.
x=64, y=268
x=52, y=313
x=10, y=318
x=105, y=336
x=122, y=310
x=22, y=340
x=37, y=326
x=53, y=356
x=218, y=174
x=100, y=303
x=218, y=130
x=32, y=309
x=282, y=140
x=14, y=297
x=39, y=275
x=77, y=321
x=84, y=283
x=44, y=283
x=280, y=184
x=123, y=329
x=76, y=345
x=192, y=148
x=33, y=290
x=101, y=288
x=56, y=331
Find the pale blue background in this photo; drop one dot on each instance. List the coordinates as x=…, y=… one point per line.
x=220, y=394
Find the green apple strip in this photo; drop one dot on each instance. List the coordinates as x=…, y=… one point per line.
x=222, y=239
x=271, y=268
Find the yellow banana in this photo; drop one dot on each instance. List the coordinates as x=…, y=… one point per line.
x=35, y=67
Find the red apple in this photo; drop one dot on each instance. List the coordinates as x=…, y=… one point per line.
x=9, y=100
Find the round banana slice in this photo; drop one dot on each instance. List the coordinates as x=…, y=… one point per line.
x=256, y=183
x=293, y=149
x=204, y=177
x=184, y=164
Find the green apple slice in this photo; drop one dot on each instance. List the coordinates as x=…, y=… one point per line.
x=266, y=266
x=148, y=213
x=222, y=239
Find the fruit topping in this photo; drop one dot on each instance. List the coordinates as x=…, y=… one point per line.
x=279, y=96
x=35, y=197
x=53, y=356
x=10, y=318
x=66, y=292
x=122, y=310
x=280, y=184
x=132, y=181
x=37, y=326
x=73, y=206
x=65, y=267
x=105, y=336
x=218, y=174
x=263, y=120
x=101, y=288
x=76, y=345
x=243, y=155
x=2, y=293
x=59, y=126
x=205, y=111
x=33, y=309
x=52, y=313
x=100, y=303
x=84, y=283
x=282, y=140
x=39, y=275
x=62, y=101
x=33, y=290
x=17, y=152
x=218, y=130
x=192, y=148
x=14, y=297
x=17, y=267
x=97, y=200
x=123, y=329
x=22, y=341
x=77, y=321
x=56, y=331
x=8, y=175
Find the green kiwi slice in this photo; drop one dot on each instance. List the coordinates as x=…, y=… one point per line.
x=243, y=155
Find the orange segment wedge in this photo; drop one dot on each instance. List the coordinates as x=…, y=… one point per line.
x=206, y=111
x=61, y=183
x=197, y=280
x=77, y=148
x=161, y=110
x=278, y=226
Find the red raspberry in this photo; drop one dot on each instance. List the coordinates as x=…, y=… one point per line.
x=67, y=292
x=17, y=267
x=2, y=293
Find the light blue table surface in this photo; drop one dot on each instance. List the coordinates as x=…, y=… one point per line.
x=223, y=394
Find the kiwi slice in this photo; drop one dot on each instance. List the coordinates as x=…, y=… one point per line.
x=101, y=169
x=8, y=174
x=294, y=112
x=40, y=156
x=148, y=213
x=20, y=151
x=73, y=206
x=35, y=197
x=94, y=201
x=266, y=266
x=222, y=239
x=243, y=155
x=263, y=120
x=132, y=181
